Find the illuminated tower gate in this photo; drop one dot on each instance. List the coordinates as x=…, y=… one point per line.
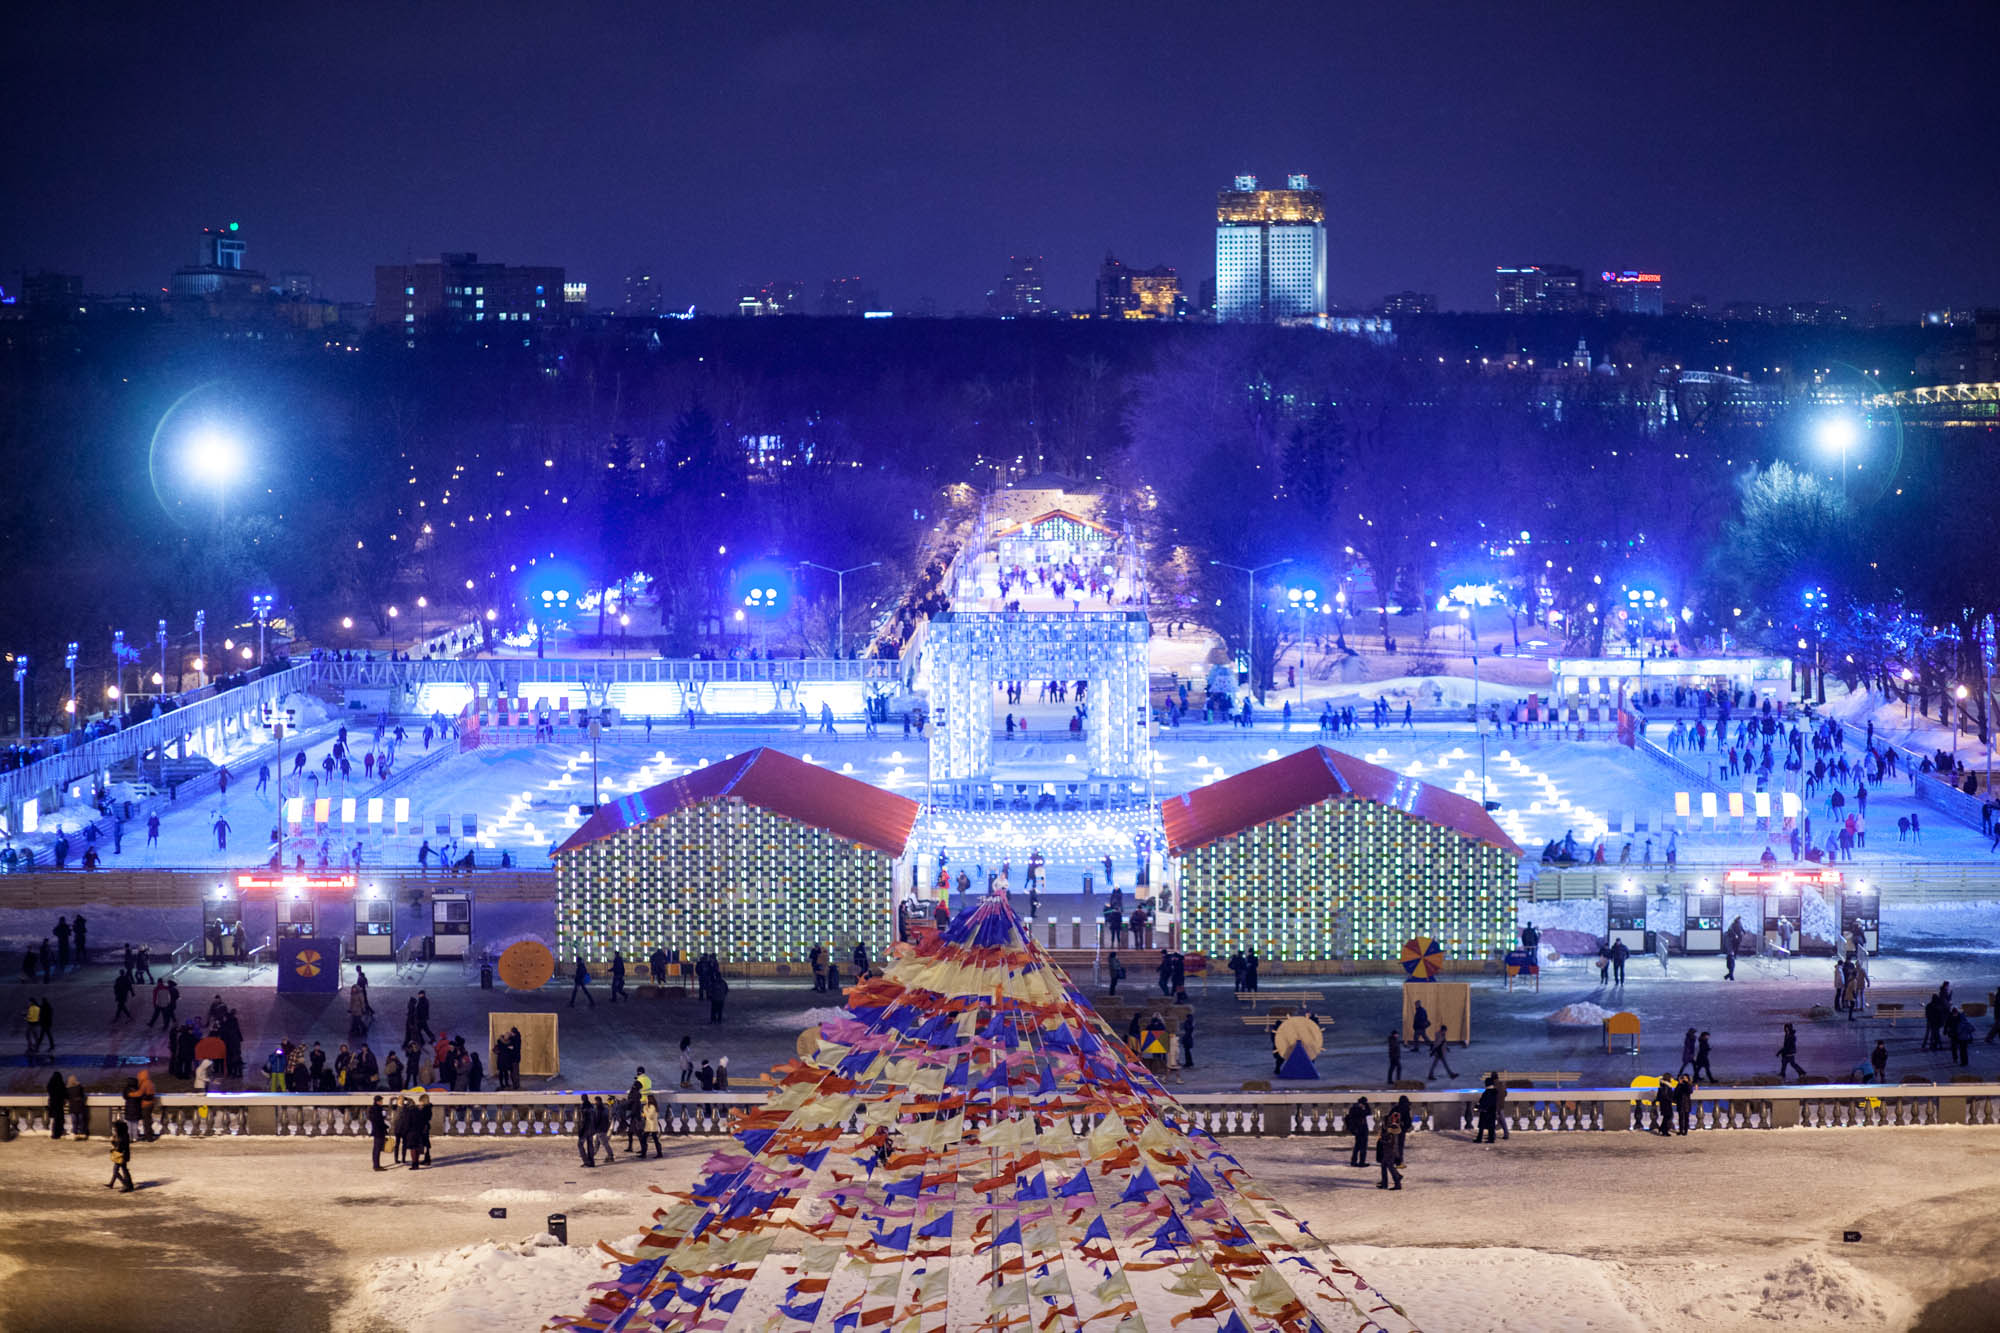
x=972, y=651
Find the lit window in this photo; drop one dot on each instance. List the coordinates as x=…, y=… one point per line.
x=479, y=304
x=409, y=291
x=409, y=319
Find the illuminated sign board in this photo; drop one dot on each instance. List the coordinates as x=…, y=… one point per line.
x=1783, y=878
x=313, y=882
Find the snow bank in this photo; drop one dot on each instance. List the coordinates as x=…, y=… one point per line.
x=1500, y=1289
x=478, y=1287
x=1582, y=1014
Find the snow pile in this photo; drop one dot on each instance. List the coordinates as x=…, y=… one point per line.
x=600, y=1196
x=1813, y=1288
x=1816, y=917
x=512, y=1196
x=799, y=1019
x=1497, y=1290
x=1582, y=1014
x=474, y=1288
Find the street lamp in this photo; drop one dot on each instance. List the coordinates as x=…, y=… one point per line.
x=1303, y=600
x=554, y=602
x=1958, y=692
x=21, y=693
x=161, y=636
x=117, y=663
x=393, y=613
x=261, y=603
x=1250, y=615
x=216, y=457
x=1837, y=435
x=423, y=604
x=840, y=600
x=69, y=661
x=201, y=644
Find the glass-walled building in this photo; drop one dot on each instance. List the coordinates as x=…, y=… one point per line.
x=1270, y=252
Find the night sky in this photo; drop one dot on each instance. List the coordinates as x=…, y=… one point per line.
x=1769, y=151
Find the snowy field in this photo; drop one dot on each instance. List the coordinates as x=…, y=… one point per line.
x=1612, y=1232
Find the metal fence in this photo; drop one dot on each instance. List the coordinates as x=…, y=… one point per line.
x=1898, y=881
x=1253, y=1113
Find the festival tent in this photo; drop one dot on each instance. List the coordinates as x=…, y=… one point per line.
x=969, y=1147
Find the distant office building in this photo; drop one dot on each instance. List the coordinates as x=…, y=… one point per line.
x=1020, y=292
x=456, y=290
x=1270, y=251
x=1631, y=292
x=1538, y=289
x=642, y=293
x=52, y=296
x=847, y=297
x=297, y=285
x=785, y=296
x=218, y=273
x=576, y=297
x=1409, y=303
x=1124, y=292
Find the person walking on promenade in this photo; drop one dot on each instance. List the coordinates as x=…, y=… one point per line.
x=378, y=1132
x=1389, y=1151
x=1788, y=1051
x=580, y=984
x=1440, y=1050
x=1395, y=1058
x=1356, y=1124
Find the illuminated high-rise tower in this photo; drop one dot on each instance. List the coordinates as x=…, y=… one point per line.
x=1270, y=251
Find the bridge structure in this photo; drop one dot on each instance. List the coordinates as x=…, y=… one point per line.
x=218, y=722
x=1954, y=405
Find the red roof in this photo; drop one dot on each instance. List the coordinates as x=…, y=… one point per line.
x=774, y=781
x=1286, y=786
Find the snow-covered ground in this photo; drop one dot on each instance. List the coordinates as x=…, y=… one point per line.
x=1720, y=1231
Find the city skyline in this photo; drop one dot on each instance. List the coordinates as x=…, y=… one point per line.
x=1605, y=163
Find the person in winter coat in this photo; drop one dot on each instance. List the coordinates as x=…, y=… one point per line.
x=1788, y=1051
x=687, y=1061
x=1117, y=971
x=1683, y=1104
x=121, y=1157
x=1663, y=1106
x=1420, y=1023
x=1688, y=1045
x=649, y=1128
x=378, y=1132
x=1619, y=953
x=417, y=1140
x=1355, y=1123
x=1701, y=1065
x=1187, y=1039
x=601, y=1141
x=1389, y=1151
x=1878, y=1062
x=1489, y=1111
x=1440, y=1051
x=586, y=1131
x=1395, y=1058
x=705, y=1076
x=79, y=1109
x=58, y=1104
x=580, y=984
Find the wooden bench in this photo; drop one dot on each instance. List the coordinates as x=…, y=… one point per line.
x=1539, y=1076
x=1291, y=997
x=1269, y=1022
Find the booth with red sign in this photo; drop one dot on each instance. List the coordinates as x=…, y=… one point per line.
x=1781, y=893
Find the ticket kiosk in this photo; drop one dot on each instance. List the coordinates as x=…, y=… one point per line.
x=1783, y=895
x=1701, y=922
x=374, y=924
x=451, y=925
x=1861, y=909
x=1625, y=918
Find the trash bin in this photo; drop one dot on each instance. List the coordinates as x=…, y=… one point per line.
x=559, y=1226
x=486, y=974
x=1089, y=883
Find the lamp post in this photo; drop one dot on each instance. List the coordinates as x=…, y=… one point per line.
x=840, y=600
x=423, y=604
x=161, y=636
x=21, y=693
x=1303, y=600
x=554, y=601
x=1250, y=615
x=1958, y=693
x=393, y=613
x=201, y=645
x=118, y=666
x=261, y=603
x=69, y=661
x=1838, y=434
